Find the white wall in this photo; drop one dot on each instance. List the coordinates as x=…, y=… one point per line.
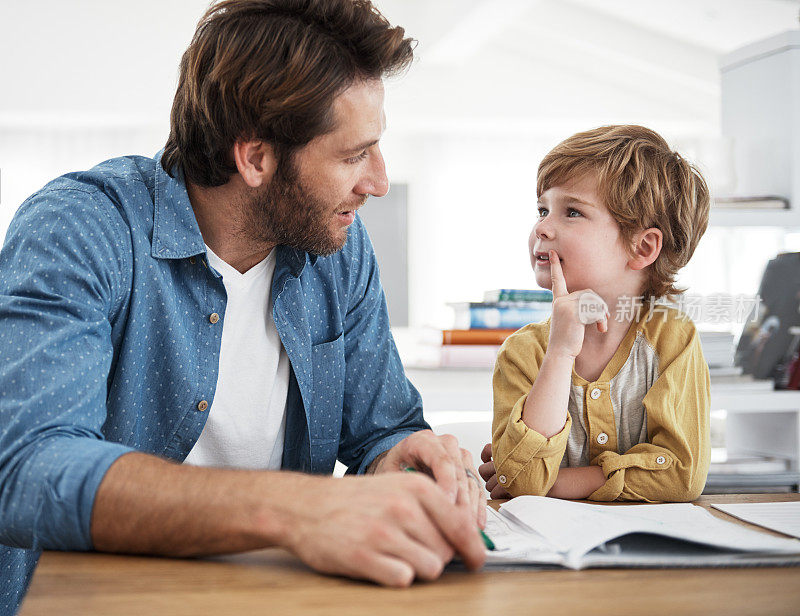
x=471, y=207
x=82, y=81
x=102, y=62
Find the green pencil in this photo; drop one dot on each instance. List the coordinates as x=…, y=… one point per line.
x=486, y=541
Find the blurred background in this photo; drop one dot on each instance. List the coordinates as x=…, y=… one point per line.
x=496, y=83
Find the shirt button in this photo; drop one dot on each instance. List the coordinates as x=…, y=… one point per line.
x=202, y=406
x=595, y=393
x=602, y=438
x=192, y=260
x=660, y=460
x=502, y=479
x=214, y=317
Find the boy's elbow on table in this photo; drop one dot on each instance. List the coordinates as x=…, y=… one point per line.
x=682, y=490
x=677, y=484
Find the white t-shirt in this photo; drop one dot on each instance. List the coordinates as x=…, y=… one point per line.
x=247, y=419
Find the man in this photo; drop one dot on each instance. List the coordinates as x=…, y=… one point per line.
x=220, y=306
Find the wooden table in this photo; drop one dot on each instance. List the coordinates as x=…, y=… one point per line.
x=274, y=582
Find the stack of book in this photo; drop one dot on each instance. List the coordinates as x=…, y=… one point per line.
x=481, y=327
x=718, y=348
x=504, y=309
x=760, y=202
x=747, y=474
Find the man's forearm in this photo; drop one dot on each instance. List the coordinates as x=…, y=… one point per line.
x=148, y=505
x=546, y=407
x=365, y=527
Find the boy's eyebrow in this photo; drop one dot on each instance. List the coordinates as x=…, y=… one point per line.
x=573, y=199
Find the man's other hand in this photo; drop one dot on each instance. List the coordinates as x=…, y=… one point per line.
x=440, y=457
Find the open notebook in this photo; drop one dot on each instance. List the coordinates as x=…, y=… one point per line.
x=535, y=530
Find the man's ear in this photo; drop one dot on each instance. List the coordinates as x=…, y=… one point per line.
x=646, y=248
x=255, y=161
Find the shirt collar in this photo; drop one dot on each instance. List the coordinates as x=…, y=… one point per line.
x=293, y=260
x=176, y=234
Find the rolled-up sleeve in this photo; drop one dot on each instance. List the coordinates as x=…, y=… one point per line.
x=673, y=464
x=62, y=277
x=526, y=461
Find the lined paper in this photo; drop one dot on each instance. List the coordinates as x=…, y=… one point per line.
x=781, y=517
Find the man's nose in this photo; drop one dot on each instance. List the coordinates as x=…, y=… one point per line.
x=374, y=182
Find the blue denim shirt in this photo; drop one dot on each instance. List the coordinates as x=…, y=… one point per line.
x=106, y=347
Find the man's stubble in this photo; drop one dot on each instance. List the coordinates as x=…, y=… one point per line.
x=286, y=212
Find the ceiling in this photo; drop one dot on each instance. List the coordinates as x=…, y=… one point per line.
x=543, y=67
x=547, y=66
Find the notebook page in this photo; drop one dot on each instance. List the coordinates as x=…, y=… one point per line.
x=516, y=543
x=781, y=517
x=576, y=528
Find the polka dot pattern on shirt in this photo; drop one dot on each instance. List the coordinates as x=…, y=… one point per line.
x=107, y=347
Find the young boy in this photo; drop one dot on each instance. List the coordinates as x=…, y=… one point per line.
x=600, y=402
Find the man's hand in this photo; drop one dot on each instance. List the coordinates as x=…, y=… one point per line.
x=489, y=474
x=441, y=458
x=390, y=528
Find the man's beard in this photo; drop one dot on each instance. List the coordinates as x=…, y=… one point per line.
x=286, y=213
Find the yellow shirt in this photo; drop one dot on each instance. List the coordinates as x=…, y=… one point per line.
x=644, y=421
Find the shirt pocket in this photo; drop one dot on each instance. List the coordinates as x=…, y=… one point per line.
x=328, y=373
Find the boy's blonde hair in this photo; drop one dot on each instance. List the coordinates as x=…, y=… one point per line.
x=644, y=184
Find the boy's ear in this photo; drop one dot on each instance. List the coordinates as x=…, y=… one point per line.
x=256, y=161
x=646, y=248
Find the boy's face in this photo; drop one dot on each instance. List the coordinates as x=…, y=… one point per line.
x=575, y=223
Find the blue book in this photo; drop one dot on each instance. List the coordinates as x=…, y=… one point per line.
x=518, y=295
x=499, y=315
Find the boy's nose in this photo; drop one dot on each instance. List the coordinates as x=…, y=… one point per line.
x=544, y=229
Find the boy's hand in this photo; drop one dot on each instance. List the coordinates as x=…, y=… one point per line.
x=489, y=474
x=572, y=312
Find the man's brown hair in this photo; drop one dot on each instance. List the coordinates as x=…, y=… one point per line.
x=271, y=69
x=644, y=184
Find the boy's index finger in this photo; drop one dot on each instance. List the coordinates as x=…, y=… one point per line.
x=556, y=275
